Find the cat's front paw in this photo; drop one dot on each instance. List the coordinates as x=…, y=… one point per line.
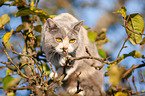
x=53, y=75
x=74, y=90
x=62, y=60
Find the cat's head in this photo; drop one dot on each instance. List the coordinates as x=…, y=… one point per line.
x=62, y=37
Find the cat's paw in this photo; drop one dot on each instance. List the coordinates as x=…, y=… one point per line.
x=53, y=75
x=74, y=90
x=62, y=60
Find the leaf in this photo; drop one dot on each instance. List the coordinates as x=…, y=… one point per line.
x=102, y=53
x=134, y=22
x=38, y=38
x=135, y=54
x=45, y=69
x=38, y=28
x=92, y=36
x=11, y=93
x=5, y=19
x=28, y=11
x=51, y=16
x=18, y=3
x=32, y=4
x=122, y=11
x=1, y=25
x=10, y=82
x=6, y=81
x=9, y=72
x=7, y=36
x=86, y=27
x=20, y=27
x=115, y=74
x=121, y=94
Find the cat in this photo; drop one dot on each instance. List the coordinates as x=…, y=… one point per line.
x=64, y=36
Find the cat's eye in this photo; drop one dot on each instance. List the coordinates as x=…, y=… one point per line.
x=72, y=41
x=58, y=39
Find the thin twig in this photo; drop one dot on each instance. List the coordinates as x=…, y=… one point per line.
x=5, y=62
x=18, y=70
x=132, y=68
x=123, y=45
x=20, y=54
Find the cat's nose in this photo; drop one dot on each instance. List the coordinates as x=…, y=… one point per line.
x=65, y=48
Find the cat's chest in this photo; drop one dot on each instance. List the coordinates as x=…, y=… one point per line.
x=63, y=59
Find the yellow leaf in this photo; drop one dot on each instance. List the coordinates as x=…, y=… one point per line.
x=122, y=11
x=9, y=72
x=115, y=74
x=7, y=36
x=32, y=3
x=11, y=93
x=32, y=8
x=51, y=16
x=121, y=94
x=1, y=25
x=5, y=19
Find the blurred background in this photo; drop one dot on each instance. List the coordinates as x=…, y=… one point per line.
x=97, y=14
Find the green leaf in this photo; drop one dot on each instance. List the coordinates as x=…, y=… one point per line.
x=6, y=81
x=134, y=22
x=28, y=11
x=38, y=38
x=122, y=11
x=20, y=27
x=45, y=69
x=9, y=82
x=5, y=19
x=102, y=53
x=135, y=54
x=86, y=27
x=38, y=28
x=18, y=3
x=92, y=36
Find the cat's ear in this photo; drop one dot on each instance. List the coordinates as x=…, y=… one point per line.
x=50, y=24
x=78, y=25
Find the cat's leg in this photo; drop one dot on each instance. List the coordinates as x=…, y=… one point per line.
x=70, y=71
x=73, y=90
x=62, y=60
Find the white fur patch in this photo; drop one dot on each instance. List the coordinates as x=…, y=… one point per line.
x=53, y=75
x=73, y=90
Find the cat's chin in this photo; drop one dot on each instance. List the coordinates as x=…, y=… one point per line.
x=63, y=53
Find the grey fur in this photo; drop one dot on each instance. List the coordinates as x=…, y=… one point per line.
x=91, y=80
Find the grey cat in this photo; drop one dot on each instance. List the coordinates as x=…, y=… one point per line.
x=65, y=34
